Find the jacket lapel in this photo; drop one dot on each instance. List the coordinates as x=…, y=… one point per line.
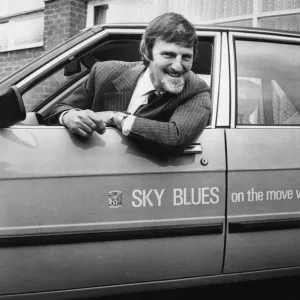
x=122, y=89
x=128, y=80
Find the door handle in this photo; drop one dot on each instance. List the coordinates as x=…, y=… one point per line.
x=194, y=148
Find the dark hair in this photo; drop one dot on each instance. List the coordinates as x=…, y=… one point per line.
x=171, y=28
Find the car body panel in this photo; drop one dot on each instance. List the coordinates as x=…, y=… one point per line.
x=73, y=227
x=263, y=199
x=262, y=202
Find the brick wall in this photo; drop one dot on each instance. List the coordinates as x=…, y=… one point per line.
x=62, y=20
x=14, y=60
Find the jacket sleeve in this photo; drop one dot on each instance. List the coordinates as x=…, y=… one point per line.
x=81, y=98
x=185, y=125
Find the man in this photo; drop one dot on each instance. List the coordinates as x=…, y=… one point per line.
x=160, y=101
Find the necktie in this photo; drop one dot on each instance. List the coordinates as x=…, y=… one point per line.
x=153, y=95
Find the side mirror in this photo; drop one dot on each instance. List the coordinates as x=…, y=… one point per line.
x=72, y=68
x=12, y=109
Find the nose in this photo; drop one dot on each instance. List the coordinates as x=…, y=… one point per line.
x=177, y=65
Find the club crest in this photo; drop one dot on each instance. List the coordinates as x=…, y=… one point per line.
x=115, y=199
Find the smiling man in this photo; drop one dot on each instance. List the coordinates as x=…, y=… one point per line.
x=169, y=65
x=159, y=101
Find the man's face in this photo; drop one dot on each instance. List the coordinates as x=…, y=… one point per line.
x=170, y=66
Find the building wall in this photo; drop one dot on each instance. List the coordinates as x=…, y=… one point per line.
x=62, y=19
x=13, y=60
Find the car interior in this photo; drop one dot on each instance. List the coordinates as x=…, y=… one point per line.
x=267, y=85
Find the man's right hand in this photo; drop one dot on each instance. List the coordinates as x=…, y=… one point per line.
x=83, y=122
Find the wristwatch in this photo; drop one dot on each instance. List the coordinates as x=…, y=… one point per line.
x=118, y=116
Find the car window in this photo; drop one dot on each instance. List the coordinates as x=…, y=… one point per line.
x=250, y=103
x=50, y=86
x=268, y=90
x=57, y=81
x=64, y=80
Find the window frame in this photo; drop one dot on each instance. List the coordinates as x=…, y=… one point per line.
x=72, y=54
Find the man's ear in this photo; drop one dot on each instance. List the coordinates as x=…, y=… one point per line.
x=146, y=57
x=145, y=54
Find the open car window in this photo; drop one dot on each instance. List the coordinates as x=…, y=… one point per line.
x=59, y=83
x=52, y=85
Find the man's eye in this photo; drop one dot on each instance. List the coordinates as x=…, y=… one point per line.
x=167, y=55
x=187, y=57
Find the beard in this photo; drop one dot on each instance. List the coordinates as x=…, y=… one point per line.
x=173, y=86
x=169, y=80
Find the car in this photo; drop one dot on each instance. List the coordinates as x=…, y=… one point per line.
x=105, y=215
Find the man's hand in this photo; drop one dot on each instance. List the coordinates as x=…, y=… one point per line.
x=84, y=122
x=106, y=117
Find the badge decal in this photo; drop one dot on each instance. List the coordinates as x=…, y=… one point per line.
x=115, y=199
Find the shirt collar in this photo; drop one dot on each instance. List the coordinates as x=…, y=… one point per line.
x=145, y=84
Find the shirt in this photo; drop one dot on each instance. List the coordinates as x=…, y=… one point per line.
x=139, y=98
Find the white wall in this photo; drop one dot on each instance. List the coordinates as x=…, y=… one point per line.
x=9, y=7
x=24, y=30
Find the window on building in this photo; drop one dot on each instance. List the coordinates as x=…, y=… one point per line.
x=277, y=14
x=268, y=90
x=242, y=23
x=22, y=31
x=100, y=14
x=278, y=5
x=290, y=22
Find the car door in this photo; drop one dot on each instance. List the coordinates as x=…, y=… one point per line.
x=263, y=208
x=86, y=213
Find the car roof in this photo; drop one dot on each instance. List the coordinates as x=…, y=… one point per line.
x=199, y=27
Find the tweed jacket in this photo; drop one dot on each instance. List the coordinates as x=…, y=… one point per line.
x=171, y=121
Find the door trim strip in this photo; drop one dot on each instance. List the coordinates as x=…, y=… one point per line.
x=93, y=236
x=263, y=225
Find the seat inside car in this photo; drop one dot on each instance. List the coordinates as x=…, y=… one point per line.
x=249, y=94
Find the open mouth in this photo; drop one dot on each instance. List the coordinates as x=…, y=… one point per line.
x=175, y=75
